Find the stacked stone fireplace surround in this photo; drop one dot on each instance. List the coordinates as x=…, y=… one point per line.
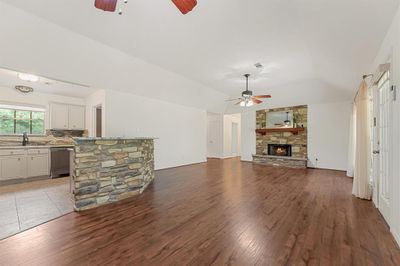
x=297, y=141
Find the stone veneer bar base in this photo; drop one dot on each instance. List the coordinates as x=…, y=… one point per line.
x=107, y=170
x=292, y=162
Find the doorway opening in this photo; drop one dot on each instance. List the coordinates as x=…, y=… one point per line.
x=235, y=139
x=98, y=121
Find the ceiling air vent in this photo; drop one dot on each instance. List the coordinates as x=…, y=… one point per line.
x=258, y=65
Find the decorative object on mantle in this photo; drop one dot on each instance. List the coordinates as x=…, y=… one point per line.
x=280, y=119
x=294, y=131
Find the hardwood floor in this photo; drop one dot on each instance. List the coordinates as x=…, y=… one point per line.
x=221, y=212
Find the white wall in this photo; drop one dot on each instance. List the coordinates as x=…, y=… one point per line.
x=328, y=135
x=36, y=99
x=298, y=93
x=92, y=101
x=34, y=45
x=390, y=51
x=181, y=131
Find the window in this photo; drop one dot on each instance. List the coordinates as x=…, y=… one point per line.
x=19, y=119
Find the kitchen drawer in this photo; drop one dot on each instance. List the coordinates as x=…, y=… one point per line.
x=12, y=152
x=38, y=151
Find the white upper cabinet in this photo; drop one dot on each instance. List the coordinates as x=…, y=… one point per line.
x=76, y=117
x=64, y=116
x=59, y=116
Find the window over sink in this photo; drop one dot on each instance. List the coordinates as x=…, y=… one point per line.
x=15, y=120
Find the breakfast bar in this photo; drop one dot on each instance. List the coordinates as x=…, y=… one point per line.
x=107, y=170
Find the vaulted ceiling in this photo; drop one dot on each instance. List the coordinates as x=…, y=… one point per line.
x=329, y=42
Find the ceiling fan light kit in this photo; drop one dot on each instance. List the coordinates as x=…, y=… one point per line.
x=24, y=89
x=185, y=6
x=247, y=98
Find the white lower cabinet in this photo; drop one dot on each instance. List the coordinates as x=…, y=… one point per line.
x=24, y=163
x=13, y=167
x=38, y=165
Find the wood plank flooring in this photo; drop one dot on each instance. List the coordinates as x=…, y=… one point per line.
x=217, y=213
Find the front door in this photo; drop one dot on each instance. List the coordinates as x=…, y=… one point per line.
x=384, y=124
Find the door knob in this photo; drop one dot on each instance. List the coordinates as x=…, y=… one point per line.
x=375, y=152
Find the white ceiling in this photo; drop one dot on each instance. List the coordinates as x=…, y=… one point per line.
x=332, y=42
x=9, y=79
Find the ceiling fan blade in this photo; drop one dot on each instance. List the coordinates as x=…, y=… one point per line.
x=230, y=100
x=106, y=5
x=255, y=101
x=185, y=6
x=262, y=96
x=239, y=102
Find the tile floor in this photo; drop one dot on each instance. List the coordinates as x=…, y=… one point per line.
x=27, y=205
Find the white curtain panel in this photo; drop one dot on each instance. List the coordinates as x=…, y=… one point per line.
x=361, y=185
x=352, y=144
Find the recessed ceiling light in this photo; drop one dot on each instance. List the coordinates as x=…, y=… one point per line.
x=28, y=77
x=24, y=89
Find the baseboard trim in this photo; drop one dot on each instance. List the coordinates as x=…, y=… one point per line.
x=223, y=158
x=330, y=169
x=396, y=236
x=183, y=165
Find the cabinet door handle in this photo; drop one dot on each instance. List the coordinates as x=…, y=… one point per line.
x=19, y=159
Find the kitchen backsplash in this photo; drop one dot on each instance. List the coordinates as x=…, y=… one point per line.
x=53, y=137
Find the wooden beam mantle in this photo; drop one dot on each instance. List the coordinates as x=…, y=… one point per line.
x=294, y=131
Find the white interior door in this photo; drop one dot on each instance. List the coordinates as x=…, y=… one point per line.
x=384, y=135
x=235, y=139
x=214, y=139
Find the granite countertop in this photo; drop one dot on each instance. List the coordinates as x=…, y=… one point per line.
x=37, y=146
x=112, y=138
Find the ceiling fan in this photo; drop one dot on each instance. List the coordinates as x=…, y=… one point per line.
x=185, y=6
x=247, y=98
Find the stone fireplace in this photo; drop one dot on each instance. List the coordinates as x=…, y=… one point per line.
x=282, y=146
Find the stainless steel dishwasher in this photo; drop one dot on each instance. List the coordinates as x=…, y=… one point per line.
x=60, y=162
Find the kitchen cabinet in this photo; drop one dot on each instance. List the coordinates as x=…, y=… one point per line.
x=23, y=163
x=13, y=167
x=76, y=118
x=67, y=117
x=59, y=116
x=38, y=165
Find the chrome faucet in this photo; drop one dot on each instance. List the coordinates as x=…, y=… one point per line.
x=25, y=139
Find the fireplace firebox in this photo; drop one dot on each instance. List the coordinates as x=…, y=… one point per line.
x=280, y=150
